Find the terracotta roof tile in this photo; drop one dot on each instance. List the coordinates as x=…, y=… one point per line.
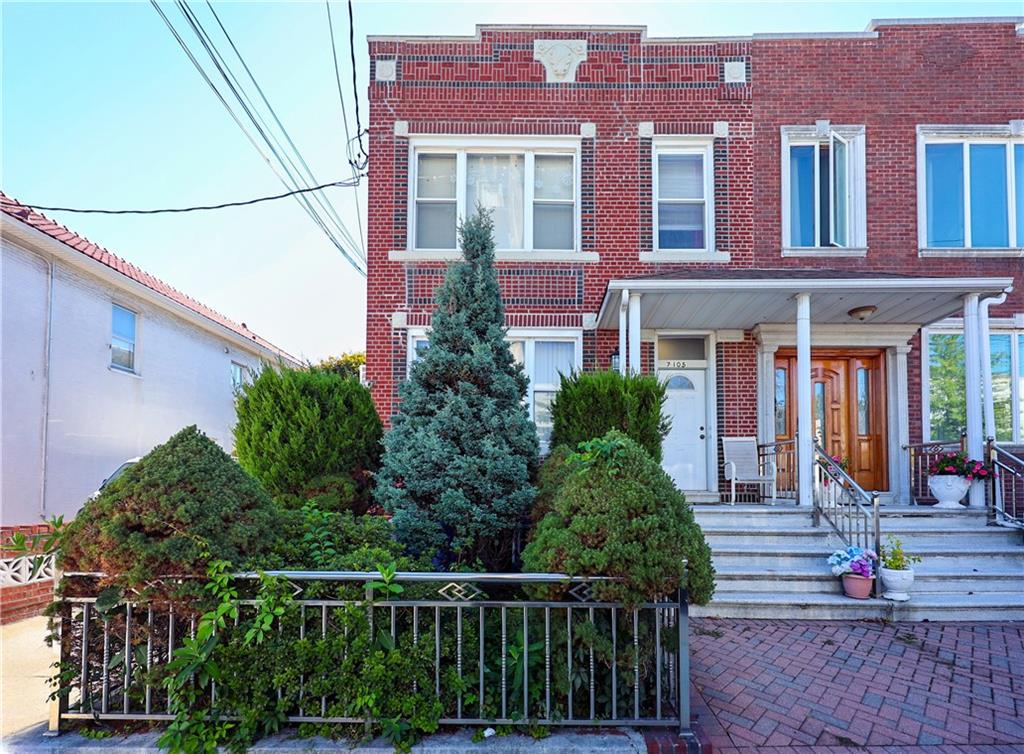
x=14, y=209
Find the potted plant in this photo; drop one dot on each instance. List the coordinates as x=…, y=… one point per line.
x=856, y=567
x=950, y=476
x=896, y=572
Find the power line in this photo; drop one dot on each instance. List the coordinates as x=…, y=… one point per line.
x=355, y=85
x=199, y=208
x=344, y=119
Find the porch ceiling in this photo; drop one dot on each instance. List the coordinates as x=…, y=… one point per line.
x=742, y=299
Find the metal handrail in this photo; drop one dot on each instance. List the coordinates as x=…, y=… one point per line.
x=1006, y=467
x=849, y=509
x=779, y=452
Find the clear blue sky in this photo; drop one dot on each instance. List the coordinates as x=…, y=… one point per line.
x=100, y=108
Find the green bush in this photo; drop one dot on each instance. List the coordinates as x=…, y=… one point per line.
x=588, y=404
x=346, y=365
x=618, y=514
x=553, y=472
x=183, y=502
x=309, y=434
x=458, y=460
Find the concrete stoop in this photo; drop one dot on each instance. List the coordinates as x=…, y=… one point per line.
x=609, y=741
x=770, y=563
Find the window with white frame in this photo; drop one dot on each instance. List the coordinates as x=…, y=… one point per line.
x=683, y=177
x=122, y=338
x=544, y=357
x=823, y=187
x=970, y=190
x=532, y=193
x=239, y=376
x=945, y=408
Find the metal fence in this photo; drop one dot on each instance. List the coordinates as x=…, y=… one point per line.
x=1004, y=494
x=783, y=454
x=920, y=456
x=530, y=648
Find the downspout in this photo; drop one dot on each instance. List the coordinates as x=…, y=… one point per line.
x=43, y=454
x=987, y=399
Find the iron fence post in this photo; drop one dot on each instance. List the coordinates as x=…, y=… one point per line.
x=684, y=658
x=877, y=536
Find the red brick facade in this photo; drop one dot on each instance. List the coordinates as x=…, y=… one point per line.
x=888, y=81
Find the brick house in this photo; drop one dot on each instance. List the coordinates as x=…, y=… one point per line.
x=794, y=230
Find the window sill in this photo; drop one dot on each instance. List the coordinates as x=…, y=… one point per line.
x=684, y=255
x=499, y=256
x=850, y=252
x=975, y=253
x=125, y=372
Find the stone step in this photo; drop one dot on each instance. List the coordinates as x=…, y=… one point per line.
x=950, y=556
x=809, y=581
x=987, y=606
x=917, y=537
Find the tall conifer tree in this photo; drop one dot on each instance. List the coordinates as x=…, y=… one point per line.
x=457, y=462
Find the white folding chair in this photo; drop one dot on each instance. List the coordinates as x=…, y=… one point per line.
x=742, y=466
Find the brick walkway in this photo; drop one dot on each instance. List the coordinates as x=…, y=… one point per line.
x=813, y=686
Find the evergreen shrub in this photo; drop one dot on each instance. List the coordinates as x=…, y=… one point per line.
x=589, y=404
x=309, y=433
x=618, y=514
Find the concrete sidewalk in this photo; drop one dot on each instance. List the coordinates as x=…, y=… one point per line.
x=25, y=667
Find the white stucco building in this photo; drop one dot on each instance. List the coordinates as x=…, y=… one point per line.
x=100, y=363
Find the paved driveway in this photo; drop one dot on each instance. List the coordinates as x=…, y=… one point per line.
x=25, y=667
x=807, y=686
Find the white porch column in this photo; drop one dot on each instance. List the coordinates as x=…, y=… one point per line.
x=804, y=408
x=766, y=392
x=634, y=333
x=988, y=401
x=972, y=385
x=623, y=305
x=899, y=419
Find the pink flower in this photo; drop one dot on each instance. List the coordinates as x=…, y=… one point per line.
x=970, y=476
x=950, y=468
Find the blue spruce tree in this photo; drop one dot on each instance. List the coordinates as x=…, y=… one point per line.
x=458, y=460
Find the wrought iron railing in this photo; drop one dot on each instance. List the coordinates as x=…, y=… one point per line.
x=850, y=509
x=783, y=454
x=921, y=455
x=1004, y=494
x=527, y=648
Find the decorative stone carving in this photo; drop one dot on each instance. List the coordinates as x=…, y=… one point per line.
x=735, y=72
x=386, y=70
x=721, y=129
x=401, y=128
x=645, y=129
x=561, y=57
x=588, y=130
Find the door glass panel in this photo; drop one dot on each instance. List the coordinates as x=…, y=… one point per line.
x=781, y=396
x=1002, y=385
x=863, y=401
x=944, y=188
x=801, y=195
x=681, y=349
x=680, y=383
x=989, y=209
x=819, y=412
x=1020, y=379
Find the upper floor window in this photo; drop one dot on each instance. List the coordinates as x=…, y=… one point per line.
x=970, y=190
x=823, y=188
x=239, y=375
x=531, y=191
x=122, y=339
x=683, y=176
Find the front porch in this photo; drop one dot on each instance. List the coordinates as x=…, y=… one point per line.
x=811, y=363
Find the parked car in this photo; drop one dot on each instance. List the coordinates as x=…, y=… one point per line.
x=117, y=472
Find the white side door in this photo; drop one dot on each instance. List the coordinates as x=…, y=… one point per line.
x=684, y=451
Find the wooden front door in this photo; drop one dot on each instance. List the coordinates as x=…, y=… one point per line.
x=848, y=406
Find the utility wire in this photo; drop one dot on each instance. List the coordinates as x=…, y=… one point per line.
x=357, y=261
x=344, y=119
x=355, y=86
x=199, y=208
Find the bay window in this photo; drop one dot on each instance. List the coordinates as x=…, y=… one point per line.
x=823, y=188
x=945, y=383
x=970, y=190
x=532, y=193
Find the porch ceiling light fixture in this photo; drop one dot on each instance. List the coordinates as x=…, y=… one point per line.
x=862, y=313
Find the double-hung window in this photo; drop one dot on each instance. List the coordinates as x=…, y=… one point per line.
x=823, y=189
x=122, y=338
x=970, y=189
x=683, y=176
x=945, y=409
x=531, y=191
x=544, y=356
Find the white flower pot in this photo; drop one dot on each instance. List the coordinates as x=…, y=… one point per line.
x=949, y=490
x=896, y=584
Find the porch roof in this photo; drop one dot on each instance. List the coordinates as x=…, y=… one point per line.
x=734, y=299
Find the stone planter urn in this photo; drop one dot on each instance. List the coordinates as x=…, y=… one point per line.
x=896, y=584
x=858, y=587
x=949, y=490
